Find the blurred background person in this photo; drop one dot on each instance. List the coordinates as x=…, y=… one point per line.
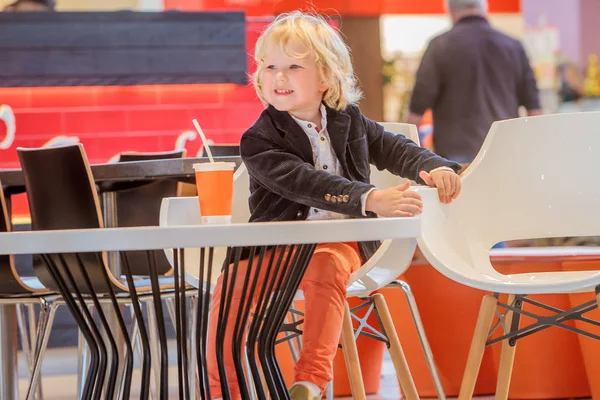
x=471, y=76
x=571, y=81
x=31, y=5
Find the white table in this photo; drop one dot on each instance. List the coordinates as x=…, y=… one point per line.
x=250, y=234
x=254, y=234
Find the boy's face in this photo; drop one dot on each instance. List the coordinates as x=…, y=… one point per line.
x=293, y=84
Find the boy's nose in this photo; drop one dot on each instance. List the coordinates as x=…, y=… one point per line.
x=281, y=76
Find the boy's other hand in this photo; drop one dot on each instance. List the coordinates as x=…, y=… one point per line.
x=447, y=183
x=396, y=201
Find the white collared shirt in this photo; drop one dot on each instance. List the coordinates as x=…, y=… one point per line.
x=324, y=159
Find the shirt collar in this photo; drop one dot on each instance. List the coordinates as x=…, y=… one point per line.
x=472, y=18
x=307, y=126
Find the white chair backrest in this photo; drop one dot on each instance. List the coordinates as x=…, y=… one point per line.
x=409, y=130
x=384, y=179
x=394, y=256
x=240, y=210
x=534, y=177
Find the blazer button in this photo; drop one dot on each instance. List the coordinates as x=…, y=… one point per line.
x=334, y=199
x=345, y=198
x=327, y=197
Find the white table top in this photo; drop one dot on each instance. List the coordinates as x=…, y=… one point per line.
x=248, y=234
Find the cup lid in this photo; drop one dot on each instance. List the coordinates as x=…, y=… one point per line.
x=214, y=166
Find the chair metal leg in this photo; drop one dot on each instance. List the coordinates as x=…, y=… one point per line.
x=194, y=377
x=248, y=374
x=414, y=311
x=282, y=275
x=243, y=310
x=170, y=303
x=507, y=357
x=145, y=362
x=351, y=356
x=181, y=324
x=256, y=324
x=28, y=341
x=137, y=348
x=34, y=343
x=295, y=349
x=82, y=358
x=482, y=328
x=162, y=335
x=202, y=320
x=46, y=319
x=296, y=267
x=82, y=362
x=154, y=345
x=81, y=316
x=292, y=343
x=22, y=328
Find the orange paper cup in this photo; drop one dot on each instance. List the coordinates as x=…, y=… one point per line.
x=215, y=191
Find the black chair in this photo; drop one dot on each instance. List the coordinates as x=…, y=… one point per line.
x=139, y=205
x=222, y=150
x=62, y=195
x=26, y=291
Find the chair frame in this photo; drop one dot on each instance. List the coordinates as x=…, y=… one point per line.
x=458, y=250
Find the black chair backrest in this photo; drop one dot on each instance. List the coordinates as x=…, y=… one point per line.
x=223, y=150
x=62, y=195
x=10, y=283
x=4, y=227
x=126, y=157
x=60, y=188
x=140, y=206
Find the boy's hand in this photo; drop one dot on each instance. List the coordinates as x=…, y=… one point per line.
x=396, y=201
x=447, y=183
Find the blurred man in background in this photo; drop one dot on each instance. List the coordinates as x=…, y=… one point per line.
x=471, y=76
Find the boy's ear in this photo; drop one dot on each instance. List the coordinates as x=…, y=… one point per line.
x=323, y=86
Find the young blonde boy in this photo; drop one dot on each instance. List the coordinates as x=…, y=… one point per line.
x=308, y=157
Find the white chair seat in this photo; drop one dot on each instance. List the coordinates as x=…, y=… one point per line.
x=530, y=283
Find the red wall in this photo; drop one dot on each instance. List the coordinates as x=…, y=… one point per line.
x=110, y=120
x=334, y=7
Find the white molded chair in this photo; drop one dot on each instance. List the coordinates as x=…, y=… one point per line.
x=391, y=260
x=534, y=177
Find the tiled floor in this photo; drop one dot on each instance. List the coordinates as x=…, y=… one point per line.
x=60, y=379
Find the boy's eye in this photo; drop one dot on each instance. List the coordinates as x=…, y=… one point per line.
x=270, y=67
x=295, y=66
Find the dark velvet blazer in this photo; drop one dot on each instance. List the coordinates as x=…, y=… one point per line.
x=284, y=183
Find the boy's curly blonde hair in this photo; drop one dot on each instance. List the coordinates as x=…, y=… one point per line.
x=321, y=39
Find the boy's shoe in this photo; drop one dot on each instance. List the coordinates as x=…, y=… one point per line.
x=301, y=392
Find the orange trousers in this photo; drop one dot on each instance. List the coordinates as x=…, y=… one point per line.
x=324, y=288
